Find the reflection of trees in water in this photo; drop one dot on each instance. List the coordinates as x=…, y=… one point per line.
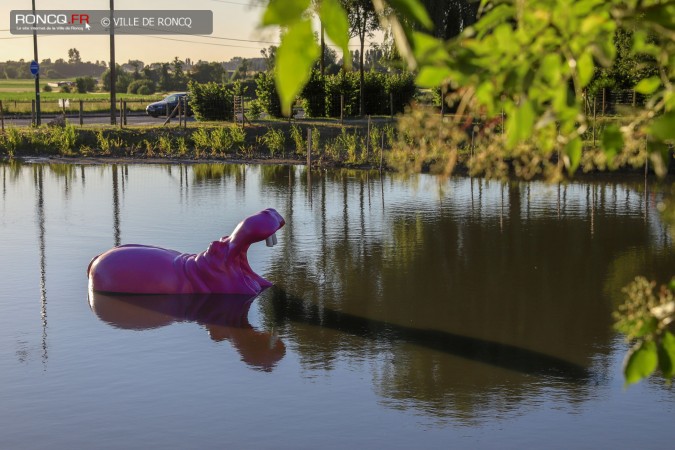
x=216, y=173
x=38, y=179
x=521, y=297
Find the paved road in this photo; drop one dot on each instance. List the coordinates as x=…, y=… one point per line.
x=136, y=119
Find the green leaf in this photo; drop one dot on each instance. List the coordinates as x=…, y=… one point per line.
x=413, y=9
x=432, y=76
x=485, y=93
x=659, y=154
x=428, y=48
x=519, y=125
x=641, y=362
x=499, y=14
x=612, y=142
x=667, y=355
x=295, y=56
x=648, y=85
x=335, y=22
x=284, y=12
x=585, y=69
x=671, y=285
x=550, y=68
x=573, y=151
x=663, y=128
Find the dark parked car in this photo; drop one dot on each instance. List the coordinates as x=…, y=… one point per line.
x=159, y=108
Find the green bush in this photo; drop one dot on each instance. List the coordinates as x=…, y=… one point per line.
x=144, y=90
x=254, y=110
x=402, y=89
x=314, y=96
x=135, y=86
x=211, y=101
x=47, y=88
x=376, y=99
x=266, y=91
x=85, y=84
x=344, y=83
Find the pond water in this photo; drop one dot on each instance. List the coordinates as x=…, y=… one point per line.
x=407, y=312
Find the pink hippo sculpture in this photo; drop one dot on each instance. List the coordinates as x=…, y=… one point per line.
x=222, y=269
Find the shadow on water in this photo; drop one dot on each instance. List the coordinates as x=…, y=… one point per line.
x=225, y=317
x=290, y=309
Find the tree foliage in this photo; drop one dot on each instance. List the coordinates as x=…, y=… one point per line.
x=363, y=21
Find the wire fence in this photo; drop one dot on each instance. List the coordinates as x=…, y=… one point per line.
x=603, y=103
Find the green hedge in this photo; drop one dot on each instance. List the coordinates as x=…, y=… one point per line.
x=314, y=95
x=266, y=91
x=347, y=84
x=211, y=101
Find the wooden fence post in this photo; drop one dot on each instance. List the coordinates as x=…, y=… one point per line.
x=342, y=108
x=381, y=151
x=2, y=117
x=185, y=104
x=309, y=148
x=368, y=139
x=81, y=117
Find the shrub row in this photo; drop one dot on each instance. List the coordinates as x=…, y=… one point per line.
x=383, y=94
x=323, y=96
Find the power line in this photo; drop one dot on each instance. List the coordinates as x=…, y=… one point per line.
x=201, y=43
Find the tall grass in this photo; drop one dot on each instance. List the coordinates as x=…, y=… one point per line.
x=238, y=138
x=108, y=143
x=11, y=141
x=65, y=138
x=274, y=140
x=220, y=141
x=296, y=136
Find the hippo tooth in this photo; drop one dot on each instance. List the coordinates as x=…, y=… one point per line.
x=274, y=239
x=270, y=241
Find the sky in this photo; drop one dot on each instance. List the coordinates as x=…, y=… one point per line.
x=235, y=24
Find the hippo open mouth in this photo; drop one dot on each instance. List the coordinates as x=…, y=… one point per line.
x=223, y=268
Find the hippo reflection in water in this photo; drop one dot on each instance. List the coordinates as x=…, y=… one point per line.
x=223, y=268
x=224, y=316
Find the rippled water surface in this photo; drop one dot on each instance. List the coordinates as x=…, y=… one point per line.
x=406, y=312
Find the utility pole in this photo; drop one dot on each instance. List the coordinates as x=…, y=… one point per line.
x=37, y=75
x=113, y=78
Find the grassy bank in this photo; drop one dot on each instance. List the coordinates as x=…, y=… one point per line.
x=354, y=144
x=331, y=143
